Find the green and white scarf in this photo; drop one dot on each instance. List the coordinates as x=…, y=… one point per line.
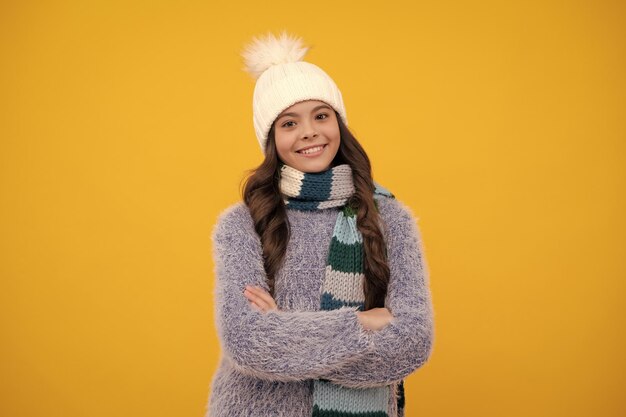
x=343, y=280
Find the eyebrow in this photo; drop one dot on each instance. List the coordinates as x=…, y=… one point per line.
x=321, y=106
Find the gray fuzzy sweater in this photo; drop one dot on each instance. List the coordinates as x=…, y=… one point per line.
x=269, y=360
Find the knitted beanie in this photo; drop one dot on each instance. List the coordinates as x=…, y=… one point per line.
x=283, y=79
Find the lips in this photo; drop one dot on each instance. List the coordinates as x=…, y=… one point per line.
x=311, y=147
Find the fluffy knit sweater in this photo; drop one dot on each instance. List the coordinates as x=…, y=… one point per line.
x=269, y=360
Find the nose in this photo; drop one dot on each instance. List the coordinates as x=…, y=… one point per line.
x=308, y=131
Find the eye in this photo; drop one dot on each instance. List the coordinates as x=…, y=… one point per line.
x=323, y=114
x=284, y=124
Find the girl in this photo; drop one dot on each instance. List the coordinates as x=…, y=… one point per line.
x=322, y=295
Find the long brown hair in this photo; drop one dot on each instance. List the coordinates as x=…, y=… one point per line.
x=261, y=193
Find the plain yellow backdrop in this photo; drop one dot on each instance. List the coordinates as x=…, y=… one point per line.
x=126, y=128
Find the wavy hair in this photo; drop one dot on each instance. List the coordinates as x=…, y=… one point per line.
x=261, y=194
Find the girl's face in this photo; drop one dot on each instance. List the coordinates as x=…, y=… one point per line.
x=312, y=125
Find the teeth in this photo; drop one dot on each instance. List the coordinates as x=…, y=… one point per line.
x=312, y=150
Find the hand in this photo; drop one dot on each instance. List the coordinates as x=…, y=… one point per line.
x=259, y=299
x=375, y=318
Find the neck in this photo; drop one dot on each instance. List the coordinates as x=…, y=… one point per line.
x=316, y=190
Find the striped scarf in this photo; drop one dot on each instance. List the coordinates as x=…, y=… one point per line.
x=343, y=280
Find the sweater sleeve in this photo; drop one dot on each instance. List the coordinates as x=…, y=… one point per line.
x=406, y=342
x=275, y=345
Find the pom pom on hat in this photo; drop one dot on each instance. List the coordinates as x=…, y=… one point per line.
x=284, y=79
x=262, y=53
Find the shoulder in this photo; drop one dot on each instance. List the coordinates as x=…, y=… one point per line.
x=234, y=239
x=233, y=219
x=398, y=218
x=394, y=211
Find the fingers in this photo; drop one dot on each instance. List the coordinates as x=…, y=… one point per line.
x=255, y=295
x=260, y=305
x=255, y=307
x=259, y=297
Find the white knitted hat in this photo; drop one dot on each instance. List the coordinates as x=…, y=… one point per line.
x=283, y=79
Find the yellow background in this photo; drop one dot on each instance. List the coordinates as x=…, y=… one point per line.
x=126, y=127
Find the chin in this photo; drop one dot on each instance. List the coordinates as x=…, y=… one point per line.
x=313, y=166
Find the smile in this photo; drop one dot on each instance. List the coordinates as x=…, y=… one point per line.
x=312, y=152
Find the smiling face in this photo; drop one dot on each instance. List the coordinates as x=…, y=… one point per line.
x=312, y=125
